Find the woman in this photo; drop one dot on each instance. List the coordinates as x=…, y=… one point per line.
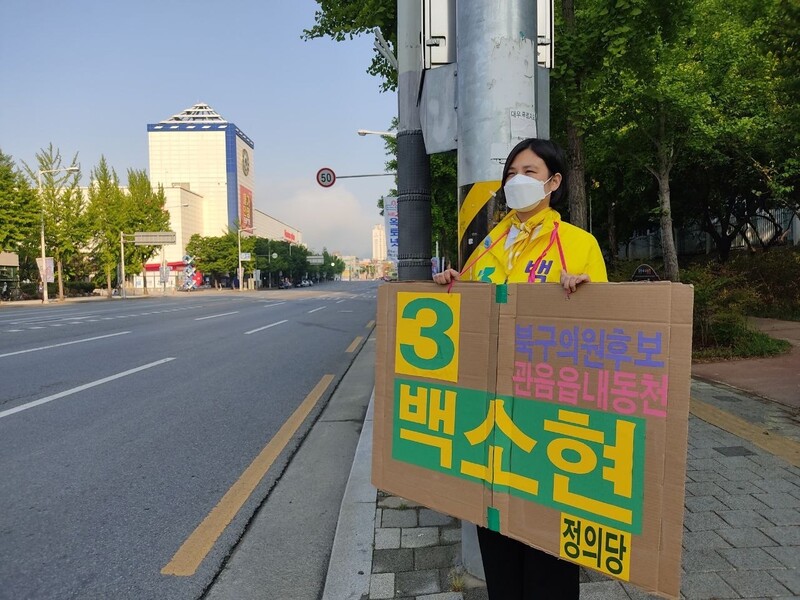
x=531, y=244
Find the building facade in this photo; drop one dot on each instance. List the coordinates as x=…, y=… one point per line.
x=206, y=166
x=379, y=242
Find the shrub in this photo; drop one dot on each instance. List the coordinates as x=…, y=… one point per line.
x=775, y=275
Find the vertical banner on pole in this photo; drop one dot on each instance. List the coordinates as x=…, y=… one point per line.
x=392, y=227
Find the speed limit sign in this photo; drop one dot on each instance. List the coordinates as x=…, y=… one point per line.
x=326, y=177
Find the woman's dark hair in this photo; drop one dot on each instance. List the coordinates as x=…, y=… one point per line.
x=553, y=157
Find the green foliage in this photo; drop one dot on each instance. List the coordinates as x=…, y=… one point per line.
x=219, y=257
x=216, y=256
x=764, y=285
x=19, y=208
x=723, y=296
x=144, y=211
x=721, y=299
x=105, y=218
x=72, y=289
x=673, y=110
x=775, y=277
x=63, y=208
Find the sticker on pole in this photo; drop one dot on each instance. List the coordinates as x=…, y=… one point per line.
x=326, y=177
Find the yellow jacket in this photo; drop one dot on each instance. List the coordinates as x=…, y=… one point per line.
x=581, y=253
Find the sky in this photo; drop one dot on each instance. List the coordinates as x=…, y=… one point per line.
x=89, y=75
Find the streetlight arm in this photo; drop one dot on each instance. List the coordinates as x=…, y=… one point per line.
x=363, y=132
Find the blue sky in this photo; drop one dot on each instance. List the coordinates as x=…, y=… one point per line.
x=89, y=75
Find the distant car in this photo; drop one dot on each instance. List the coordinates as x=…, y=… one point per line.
x=305, y=283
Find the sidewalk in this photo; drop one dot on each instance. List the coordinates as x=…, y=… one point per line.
x=741, y=525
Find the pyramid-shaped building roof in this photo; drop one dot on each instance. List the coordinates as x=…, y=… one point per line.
x=198, y=113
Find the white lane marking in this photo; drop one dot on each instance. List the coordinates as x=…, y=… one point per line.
x=215, y=316
x=339, y=302
x=316, y=309
x=80, y=388
x=276, y=304
x=265, y=327
x=345, y=311
x=91, y=339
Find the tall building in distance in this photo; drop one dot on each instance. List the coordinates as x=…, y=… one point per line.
x=199, y=151
x=206, y=166
x=378, y=242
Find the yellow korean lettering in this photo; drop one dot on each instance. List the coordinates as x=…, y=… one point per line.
x=621, y=474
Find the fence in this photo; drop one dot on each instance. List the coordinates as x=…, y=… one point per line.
x=692, y=240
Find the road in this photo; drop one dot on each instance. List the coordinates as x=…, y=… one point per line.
x=138, y=437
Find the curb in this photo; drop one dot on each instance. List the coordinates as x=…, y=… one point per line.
x=350, y=565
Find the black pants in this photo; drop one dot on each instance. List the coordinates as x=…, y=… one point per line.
x=515, y=571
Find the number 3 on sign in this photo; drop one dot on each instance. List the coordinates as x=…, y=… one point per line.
x=427, y=335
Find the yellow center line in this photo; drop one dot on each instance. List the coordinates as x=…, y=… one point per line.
x=776, y=444
x=192, y=552
x=370, y=324
x=352, y=347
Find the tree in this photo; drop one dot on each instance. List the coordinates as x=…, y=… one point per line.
x=657, y=99
x=144, y=211
x=63, y=208
x=724, y=174
x=779, y=42
x=591, y=38
x=19, y=209
x=105, y=219
x=219, y=256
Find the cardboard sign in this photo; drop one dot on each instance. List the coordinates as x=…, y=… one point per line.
x=558, y=422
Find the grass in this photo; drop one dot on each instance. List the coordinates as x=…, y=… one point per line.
x=457, y=580
x=749, y=344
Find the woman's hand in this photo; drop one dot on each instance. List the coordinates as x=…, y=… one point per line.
x=571, y=282
x=446, y=276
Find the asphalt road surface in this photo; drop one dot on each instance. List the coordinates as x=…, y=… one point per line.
x=138, y=437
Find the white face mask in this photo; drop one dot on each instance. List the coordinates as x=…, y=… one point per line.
x=524, y=193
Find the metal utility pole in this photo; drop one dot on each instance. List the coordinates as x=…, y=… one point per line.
x=496, y=108
x=122, y=265
x=496, y=86
x=413, y=165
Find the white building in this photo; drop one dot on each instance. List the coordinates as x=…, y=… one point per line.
x=378, y=242
x=206, y=166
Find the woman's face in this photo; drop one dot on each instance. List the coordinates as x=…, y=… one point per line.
x=528, y=163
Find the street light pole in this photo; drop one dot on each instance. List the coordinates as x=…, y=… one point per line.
x=122, y=265
x=239, y=232
x=43, y=272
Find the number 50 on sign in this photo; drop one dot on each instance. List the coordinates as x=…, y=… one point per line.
x=427, y=335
